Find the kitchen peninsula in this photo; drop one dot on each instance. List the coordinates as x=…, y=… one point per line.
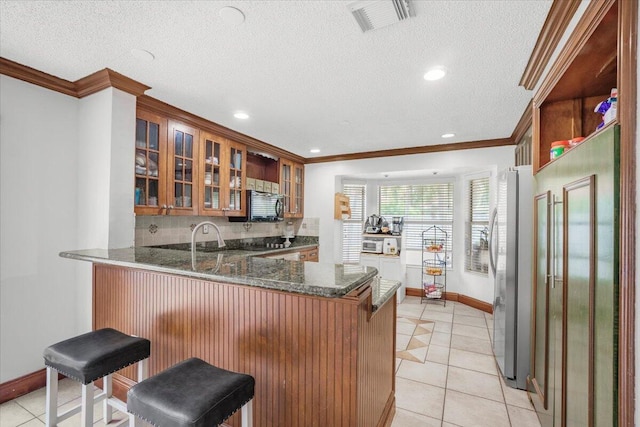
x=318, y=338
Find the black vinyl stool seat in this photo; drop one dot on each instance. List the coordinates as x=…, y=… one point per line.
x=192, y=393
x=86, y=358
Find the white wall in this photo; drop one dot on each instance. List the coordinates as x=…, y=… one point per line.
x=38, y=217
x=105, y=175
x=66, y=177
x=323, y=180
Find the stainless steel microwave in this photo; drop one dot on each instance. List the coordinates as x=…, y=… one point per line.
x=262, y=207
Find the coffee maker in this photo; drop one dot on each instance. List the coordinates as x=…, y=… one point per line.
x=373, y=224
x=396, y=225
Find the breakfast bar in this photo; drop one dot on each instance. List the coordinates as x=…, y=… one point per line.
x=318, y=338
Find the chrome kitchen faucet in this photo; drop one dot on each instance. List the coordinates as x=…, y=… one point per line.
x=221, y=243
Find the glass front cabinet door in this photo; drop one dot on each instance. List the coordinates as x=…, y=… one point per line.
x=298, y=190
x=285, y=185
x=292, y=188
x=212, y=174
x=183, y=170
x=237, y=161
x=222, y=177
x=150, y=164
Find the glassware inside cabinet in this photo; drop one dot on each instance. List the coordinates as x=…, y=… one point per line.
x=298, y=189
x=182, y=195
x=235, y=179
x=183, y=169
x=146, y=163
x=211, y=187
x=141, y=133
x=286, y=186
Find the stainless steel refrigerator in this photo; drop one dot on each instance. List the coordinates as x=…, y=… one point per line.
x=510, y=255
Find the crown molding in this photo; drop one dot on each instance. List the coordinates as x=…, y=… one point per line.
x=413, y=150
x=555, y=25
x=588, y=23
x=108, y=78
x=524, y=124
x=79, y=89
x=38, y=78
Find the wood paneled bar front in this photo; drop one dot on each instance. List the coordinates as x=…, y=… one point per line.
x=317, y=360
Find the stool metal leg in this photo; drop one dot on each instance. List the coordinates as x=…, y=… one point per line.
x=143, y=373
x=246, y=414
x=107, y=387
x=52, y=397
x=134, y=421
x=143, y=369
x=87, y=405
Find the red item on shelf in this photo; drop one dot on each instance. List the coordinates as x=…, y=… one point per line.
x=575, y=141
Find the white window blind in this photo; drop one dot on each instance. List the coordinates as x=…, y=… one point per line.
x=421, y=206
x=352, y=227
x=477, y=226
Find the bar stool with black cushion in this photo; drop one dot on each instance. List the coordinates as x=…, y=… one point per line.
x=192, y=393
x=89, y=357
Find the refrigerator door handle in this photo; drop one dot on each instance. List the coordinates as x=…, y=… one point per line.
x=492, y=227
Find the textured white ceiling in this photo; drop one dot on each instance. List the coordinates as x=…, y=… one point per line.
x=303, y=70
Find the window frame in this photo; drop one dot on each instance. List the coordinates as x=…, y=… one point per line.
x=473, y=221
x=421, y=224
x=352, y=246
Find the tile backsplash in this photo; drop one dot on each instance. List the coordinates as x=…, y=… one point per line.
x=164, y=230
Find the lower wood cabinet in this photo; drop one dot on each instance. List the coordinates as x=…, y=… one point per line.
x=309, y=255
x=573, y=376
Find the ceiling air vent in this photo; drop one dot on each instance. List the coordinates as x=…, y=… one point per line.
x=375, y=14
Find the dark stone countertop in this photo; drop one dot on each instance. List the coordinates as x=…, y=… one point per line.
x=246, y=268
x=381, y=291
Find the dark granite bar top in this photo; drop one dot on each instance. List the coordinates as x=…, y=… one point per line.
x=381, y=291
x=245, y=267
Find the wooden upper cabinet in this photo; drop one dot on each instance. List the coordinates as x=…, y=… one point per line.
x=222, y=176
x=292, y=188
x=583, y=75
x=183, y=169
x=189, y=169
x=237, y=179
x=523, y=148
x=150, y=164
x=298, y=190
x=165, y=166
x=212, y=176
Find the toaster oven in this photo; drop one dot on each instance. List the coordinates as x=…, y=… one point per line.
x=372, y=246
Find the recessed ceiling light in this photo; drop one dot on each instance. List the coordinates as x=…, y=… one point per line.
x=314, y=150
x=448, y=135
x=143, y=55
x=241, y=115
x=435, y=74
x=231, y=15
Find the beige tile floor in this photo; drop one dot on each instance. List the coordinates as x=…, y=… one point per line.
x=446, y=376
